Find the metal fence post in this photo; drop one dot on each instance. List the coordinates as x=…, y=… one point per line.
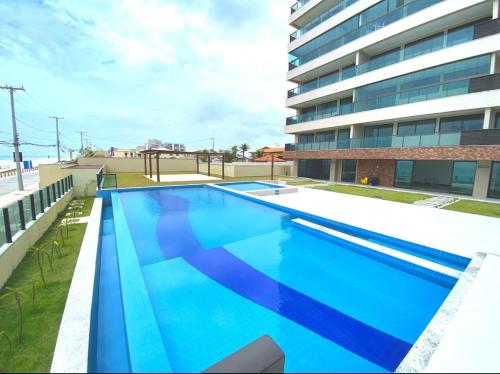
x=42, y=206
x=20, y=206
x=33, y=211
x=6, y=222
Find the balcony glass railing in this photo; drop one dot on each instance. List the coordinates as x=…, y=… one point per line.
x=299, y=4
x=377, y=24
x=322, y=18
x=431, y=92
x=429, y=140
x=455, y=37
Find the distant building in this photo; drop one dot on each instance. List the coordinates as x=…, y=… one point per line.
x=175, y=147
x=154, y=144
x=267, y=151
x=124, y=152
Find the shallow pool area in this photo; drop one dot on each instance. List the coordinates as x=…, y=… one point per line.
x=189, y=275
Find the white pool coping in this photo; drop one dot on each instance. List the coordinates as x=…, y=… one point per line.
x=73, y=340
x=182, y=178
x=459, y=233
x=382, y=249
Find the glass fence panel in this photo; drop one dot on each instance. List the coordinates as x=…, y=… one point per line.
x=3, y=238
x=15, y=218
x=411, y=141
x=109, y=181
x=38, y=208
x=449, y=139
x=27, y=209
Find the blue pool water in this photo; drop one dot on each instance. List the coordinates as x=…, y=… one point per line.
x=249, y=186
x=209, y=272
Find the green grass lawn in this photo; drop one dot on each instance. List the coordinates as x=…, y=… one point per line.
x=41, y=320
x=476, y=207
x=301, y=182
x=402, y=197
x=126, y=180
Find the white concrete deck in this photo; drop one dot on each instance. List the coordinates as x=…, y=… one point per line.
x=459, y=233
x=183, y=178
x=472, y=342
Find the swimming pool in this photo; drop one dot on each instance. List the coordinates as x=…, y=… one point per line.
x=189, y=275
x=249, y=186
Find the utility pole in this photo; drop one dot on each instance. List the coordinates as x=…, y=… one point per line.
x=70, y=154
x=81, y=140
x=213, y=143
x=57, y=133
x=15, y=135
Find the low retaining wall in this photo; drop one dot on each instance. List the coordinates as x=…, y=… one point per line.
x=136, y=165
x=248, y=169
x=12, y=254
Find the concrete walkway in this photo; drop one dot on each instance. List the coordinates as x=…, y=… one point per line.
x=436, y=202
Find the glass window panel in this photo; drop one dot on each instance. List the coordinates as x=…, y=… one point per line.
x=460, y=35
x=348, y=72
x=423, y=46
x=384, y=59
x=3, y=239
x=462, y=181
x=407, y=128
x=343, y=138
x=463, y=123
x=306, y=138
x=473, y=123
x=329, y=79
x=346, y=105
x=348, y=171
x=326, y=136
x=316, y=169
x=404, y=171
x=497, y=121
x=494, y=190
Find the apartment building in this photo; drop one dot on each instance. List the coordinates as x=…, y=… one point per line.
x=404, y=91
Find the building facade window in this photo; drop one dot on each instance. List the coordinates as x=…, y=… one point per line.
x=494, y=189
x=462, y=180
x=404, y=173
x=306, y=138
x=461, y=123
x=348, y=171
x=343, y=136
x=327, y=136
x=423, y=46
x=315, y=169
x=497, y=121
x=424, y=127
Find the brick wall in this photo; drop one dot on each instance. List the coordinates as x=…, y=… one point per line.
x=468, y=153
x=383, y=169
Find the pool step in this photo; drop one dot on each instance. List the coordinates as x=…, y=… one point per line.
x=380, y=248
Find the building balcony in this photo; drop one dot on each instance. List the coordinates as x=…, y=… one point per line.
x=426, y=93
x=320, y=19
x=299, y=4
x=372, y=26
x=464, y=138
x=428, y=45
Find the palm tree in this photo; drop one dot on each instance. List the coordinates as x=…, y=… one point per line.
x=18, y=294
x=39, y=252
x=244, y=148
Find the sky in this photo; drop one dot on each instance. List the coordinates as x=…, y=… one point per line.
x=128, y=70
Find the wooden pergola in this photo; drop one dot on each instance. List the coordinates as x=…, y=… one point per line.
x=149, y=153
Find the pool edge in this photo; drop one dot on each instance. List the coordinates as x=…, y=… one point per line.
x=71, y=354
